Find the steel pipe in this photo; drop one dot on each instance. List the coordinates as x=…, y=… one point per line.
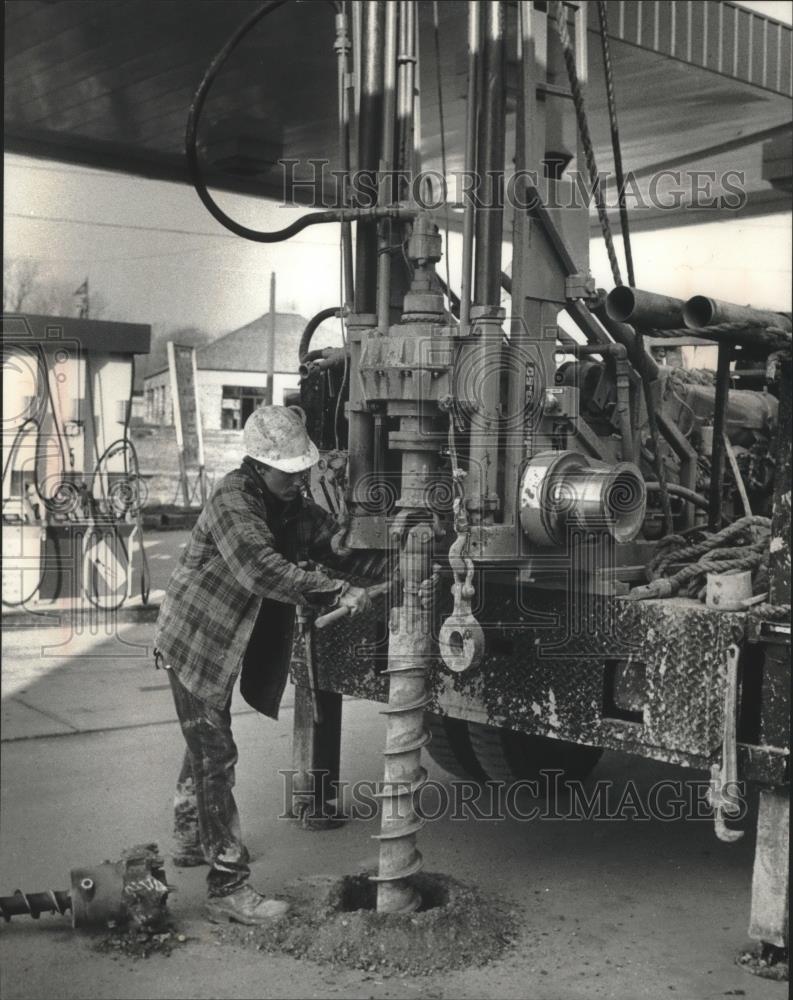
x=490, y=158
x=471, y=121
x=623, y=333
x=406, y=88
x=386, y=180
x=520, y=351
x=645, y=310
x=342, y=47
x=370, y=119
x=700, y=311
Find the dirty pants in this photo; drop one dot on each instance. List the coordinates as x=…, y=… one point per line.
x=205, y=814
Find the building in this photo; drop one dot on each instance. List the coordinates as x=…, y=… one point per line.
x=232, y=373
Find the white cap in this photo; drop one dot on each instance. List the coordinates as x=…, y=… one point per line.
x=277, y=436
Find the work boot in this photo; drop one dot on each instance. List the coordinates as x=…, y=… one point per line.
x=245, y=906
x=189, y=857
x=192, y=855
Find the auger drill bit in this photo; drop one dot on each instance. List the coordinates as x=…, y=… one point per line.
x=409, y=651
x=33, y=904
x=130, y=891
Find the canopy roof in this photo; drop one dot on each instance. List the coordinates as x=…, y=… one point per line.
x=108, y=83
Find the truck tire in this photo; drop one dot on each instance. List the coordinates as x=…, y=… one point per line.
x=450, y=746
x=507, y=755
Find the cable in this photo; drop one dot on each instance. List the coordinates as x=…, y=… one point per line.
x=122, y=444
x=16, y=443
x=560, y=23
x=345, y=372
x=128, y=407
x=194, y=167
x=46, y=375
x=89, y=386
x=615, y=139
x=681, y=491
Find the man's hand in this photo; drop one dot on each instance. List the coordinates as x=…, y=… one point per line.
x=429, y=589
x=356, y=599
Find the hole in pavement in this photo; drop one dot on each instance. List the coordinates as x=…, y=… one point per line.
x=333, y=920
x=359, y=893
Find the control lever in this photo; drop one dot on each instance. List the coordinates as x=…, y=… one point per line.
x=333, y=616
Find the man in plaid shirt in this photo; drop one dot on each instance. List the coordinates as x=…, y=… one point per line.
x=229, y=610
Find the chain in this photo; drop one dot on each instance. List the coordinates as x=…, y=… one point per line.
x=611, y=100
x=461, y=639
x=560, y=23
x=461, y=563
x=458, y=474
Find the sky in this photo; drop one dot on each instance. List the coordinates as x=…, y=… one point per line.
x=156, y=256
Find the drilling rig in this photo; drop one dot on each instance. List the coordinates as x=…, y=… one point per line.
x=594, y=513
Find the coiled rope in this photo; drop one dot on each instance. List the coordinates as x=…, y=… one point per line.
x=749, y=549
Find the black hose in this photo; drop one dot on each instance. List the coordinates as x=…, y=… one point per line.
x=89, y=386
x=311, y=326
x=49, y=501
x=125, y=444
x=128, y=409
x=16, y=442
x=145, y=572
x=675, y=489
x=191, y=146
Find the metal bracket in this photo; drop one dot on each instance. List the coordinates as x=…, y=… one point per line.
x=579, y=286
x=726, y=776
x=461, y=639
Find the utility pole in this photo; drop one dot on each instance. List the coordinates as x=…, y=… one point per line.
x=271, y=345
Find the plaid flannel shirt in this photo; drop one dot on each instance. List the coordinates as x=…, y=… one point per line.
x=233, y=560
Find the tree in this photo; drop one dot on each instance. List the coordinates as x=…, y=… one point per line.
x=27, y=288
x=20, y=278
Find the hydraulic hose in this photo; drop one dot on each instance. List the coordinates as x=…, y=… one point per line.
x=194, y=167
x=303, y=353
x=676, y=490
x=125, y=444
x=50, y=501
